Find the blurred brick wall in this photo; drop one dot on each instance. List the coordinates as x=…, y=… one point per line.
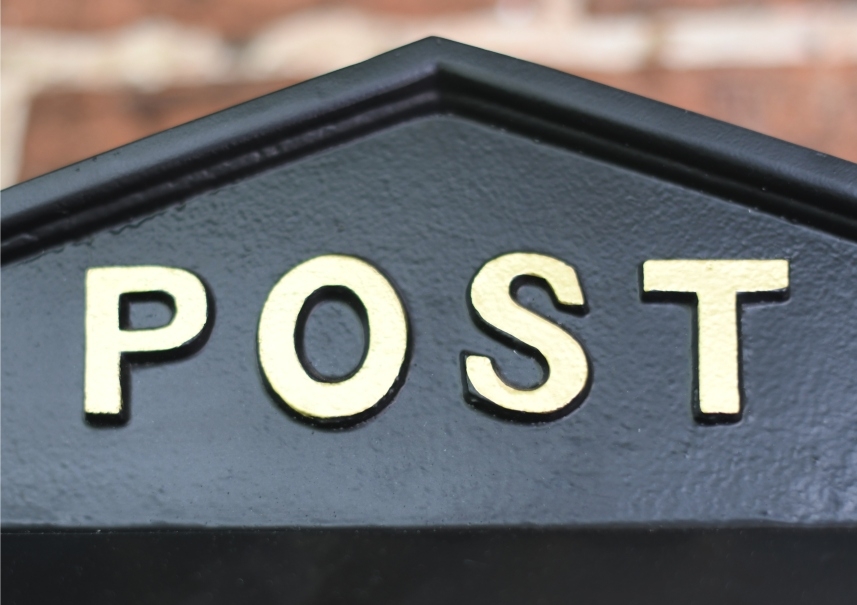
x=83, y=77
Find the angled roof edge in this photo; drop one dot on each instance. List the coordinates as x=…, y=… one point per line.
x=429, y=77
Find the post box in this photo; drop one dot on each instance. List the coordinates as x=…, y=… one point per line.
x=443, y=326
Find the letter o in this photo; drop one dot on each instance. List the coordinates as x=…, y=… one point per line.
x=386, y=349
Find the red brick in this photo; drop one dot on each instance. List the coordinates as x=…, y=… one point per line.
x=811, y=106
x=65, y=127
x=232, y=18
x=816, y=108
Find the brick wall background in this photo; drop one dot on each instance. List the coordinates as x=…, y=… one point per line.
x=80, y=77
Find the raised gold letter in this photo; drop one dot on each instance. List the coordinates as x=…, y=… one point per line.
x=107, y=341
x=567, y=367
x=716, y=284
x=387, y=344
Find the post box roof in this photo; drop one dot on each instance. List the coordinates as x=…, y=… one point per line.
x=432, y=76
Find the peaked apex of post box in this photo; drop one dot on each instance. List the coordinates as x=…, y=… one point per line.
x=429, y=77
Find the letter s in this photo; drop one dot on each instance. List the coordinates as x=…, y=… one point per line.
x=492, y=301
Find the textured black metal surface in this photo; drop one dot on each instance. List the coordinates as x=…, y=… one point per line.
x=429, y=201
x=427, y=163
x=784, y=566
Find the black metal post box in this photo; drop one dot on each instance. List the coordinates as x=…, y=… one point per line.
x=443, y=326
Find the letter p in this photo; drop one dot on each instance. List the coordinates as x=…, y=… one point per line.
x=108, y=341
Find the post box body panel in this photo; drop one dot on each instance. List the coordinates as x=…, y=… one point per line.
x=428, y=202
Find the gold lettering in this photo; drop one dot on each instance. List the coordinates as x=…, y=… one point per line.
x=387, y=344
x=107, y=341
x=716, y=284
x=491, y=298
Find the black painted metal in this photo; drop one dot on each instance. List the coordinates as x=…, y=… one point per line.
x=433, y=566
x=428, y=161
x=431, y=77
